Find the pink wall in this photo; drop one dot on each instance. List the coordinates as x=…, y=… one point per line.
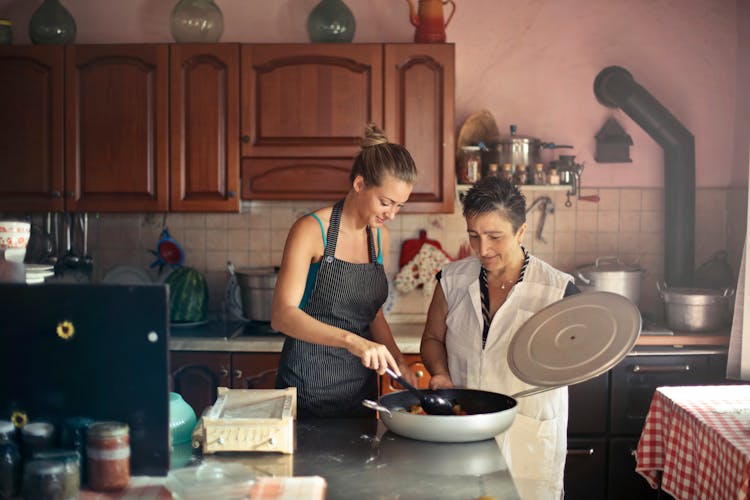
x=531, y=63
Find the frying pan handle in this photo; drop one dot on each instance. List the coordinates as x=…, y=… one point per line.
x=375, y=406
x=534, y=390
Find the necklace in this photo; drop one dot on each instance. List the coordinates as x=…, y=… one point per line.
x=504, y=285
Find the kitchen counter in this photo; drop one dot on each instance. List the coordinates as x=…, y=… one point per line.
x=359, y=458
x=258, y=337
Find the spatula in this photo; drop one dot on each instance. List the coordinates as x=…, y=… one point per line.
x=431, y=403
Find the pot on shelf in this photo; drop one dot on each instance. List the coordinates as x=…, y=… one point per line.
x=256, y=289
x=696, y=309
x=610, y=274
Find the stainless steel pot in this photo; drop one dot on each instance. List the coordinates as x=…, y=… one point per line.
x=696, y=309
x=610, y=274
x=517, y=150
x=256, y=289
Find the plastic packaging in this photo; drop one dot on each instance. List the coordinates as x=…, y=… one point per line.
x=211, y=480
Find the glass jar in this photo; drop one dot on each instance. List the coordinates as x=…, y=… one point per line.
x=520, y=177
x=43, y=480
x=73, y=437
x=492, y=170
x=553, y=177
x=507, y=172
x=8, y=431
x=71, y=463
x=6, y=32
x=36, y=437
x=108, y=456
x=196, y=21
x=469, y=168
x=10, y=469
x=540, y=177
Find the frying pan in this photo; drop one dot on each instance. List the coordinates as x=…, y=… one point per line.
x=568, y=342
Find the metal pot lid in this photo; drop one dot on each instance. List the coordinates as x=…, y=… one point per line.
x=575, y=339
x=611, y=264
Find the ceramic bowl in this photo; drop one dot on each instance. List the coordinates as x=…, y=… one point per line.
x=182, y=419
x=14, y=234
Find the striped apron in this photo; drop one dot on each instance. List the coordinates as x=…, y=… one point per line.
x=330, y=381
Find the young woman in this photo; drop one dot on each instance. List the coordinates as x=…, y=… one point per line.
x=332, y=285
x=478, y=306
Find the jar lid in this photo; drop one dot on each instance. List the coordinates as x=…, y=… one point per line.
x=77, y=423
x=5, y=22
x=38, y=429
x=42, y=468
x=108, y=429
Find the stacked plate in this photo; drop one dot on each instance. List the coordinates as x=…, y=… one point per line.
x=37, y=273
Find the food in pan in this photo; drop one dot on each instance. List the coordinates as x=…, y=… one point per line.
x=418, y=410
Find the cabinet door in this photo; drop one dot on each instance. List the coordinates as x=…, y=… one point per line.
x=635, y=379
x=204, y=128
x=387, y=384
x=116, y=110
x=31, y=129
x=197, y=375
x=419, y=113
x=586, y=469
x=588, y=403
x=624, y=483
x=304, y=109
x=254, y=370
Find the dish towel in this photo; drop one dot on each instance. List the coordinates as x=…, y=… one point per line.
x=421, y=270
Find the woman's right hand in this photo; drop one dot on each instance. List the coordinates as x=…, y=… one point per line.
x=373, y=355
x=441, y=381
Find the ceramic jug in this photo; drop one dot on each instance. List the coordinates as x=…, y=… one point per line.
x=428, y=20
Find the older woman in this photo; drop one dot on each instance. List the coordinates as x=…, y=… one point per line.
x=478, y=305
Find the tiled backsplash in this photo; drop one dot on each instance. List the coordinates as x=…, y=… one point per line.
x=626, y=222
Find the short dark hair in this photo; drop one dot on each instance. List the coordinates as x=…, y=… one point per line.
x=378, y=156
x=493, y=194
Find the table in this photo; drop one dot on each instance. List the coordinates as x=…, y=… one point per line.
x=698, y=440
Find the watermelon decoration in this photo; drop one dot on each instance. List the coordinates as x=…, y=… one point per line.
x=188, y=296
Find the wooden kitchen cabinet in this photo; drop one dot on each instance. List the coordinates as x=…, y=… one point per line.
x=387, y=384
x=204, y=128
x=197, y=375
x=304, y=109
x=31, y=131
x=419, y=82
x=117, y=127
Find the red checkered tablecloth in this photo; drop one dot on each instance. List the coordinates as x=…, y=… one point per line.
x=698, y=439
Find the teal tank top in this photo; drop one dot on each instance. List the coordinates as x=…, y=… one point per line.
x=312, y=273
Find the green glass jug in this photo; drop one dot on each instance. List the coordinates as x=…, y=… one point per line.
x=51, y=23
x=331, y=21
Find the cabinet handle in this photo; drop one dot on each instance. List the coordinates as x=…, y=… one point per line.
x=661, y=369
x=245, y=138
x=419, y=373
x=223, y=372
x=56, y=194
x=578, y=452
x=238, y=374
x=231, y=194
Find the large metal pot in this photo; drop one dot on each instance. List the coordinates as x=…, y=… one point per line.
x=610, y=274
x=516, y=150
x=696, y=309
x=256, y=289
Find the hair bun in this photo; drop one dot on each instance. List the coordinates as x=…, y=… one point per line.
x=373, y=136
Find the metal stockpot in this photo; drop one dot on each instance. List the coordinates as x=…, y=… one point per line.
x=610, y=274
x=256, y=289
x=516, y=150
x=696, y=309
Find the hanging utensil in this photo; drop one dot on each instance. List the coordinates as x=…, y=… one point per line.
x=70, y=259
x=88, y=260
x=431, y=403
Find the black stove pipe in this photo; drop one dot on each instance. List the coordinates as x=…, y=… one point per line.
x=614, y=87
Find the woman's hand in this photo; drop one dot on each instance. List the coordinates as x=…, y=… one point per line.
x=441, y=381
x=407, y=374
x=373, y=355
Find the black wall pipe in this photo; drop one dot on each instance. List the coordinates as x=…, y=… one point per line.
x=614, y=87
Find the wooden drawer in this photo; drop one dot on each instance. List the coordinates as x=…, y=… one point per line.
x=588, y=404
x=586, y=469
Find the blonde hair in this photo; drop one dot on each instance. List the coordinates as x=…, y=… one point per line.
x=379, y=157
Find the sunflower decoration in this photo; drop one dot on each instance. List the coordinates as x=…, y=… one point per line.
x=19, y=419
x=65, y=330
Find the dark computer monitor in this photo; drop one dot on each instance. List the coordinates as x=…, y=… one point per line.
x=97, y=351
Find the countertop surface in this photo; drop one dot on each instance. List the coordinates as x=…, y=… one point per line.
x=359, y=458
x=259, y=337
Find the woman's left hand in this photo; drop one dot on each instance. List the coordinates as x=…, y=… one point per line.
x=407, y=374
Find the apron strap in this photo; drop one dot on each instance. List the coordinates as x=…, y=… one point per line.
x=333, y=230
x=370, y=245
